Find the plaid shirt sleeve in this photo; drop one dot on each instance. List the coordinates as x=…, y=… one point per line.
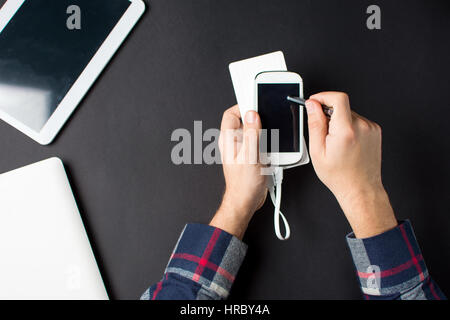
x=391, y=266
x=202, y=266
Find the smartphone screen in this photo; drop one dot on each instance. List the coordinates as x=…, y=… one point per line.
x=277, y=112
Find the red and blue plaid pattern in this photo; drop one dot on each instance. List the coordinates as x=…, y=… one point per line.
x=203, y=265
x=391, y=266
x=206, y=260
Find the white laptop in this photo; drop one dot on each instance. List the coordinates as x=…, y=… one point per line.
x=44, y=249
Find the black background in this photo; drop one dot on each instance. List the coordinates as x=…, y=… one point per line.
x=173, y=70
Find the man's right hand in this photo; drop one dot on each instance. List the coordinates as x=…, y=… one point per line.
x=346, y=155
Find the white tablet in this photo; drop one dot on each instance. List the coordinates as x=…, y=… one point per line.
x=51, y=52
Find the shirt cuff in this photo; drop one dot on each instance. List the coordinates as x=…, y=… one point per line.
x=389, y=263
x=208, y=256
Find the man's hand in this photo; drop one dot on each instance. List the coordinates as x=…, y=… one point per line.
x=346, y=155
x=246, y=188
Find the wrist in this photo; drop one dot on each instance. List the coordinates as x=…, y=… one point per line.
x=234, y=205
x=232, y=218
x=368, y=211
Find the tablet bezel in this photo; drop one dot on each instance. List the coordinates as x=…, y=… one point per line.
x=86, y=79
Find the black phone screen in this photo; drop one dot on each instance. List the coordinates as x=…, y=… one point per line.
x=277, y=112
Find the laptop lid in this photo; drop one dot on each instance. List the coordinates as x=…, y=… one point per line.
x=44, y=249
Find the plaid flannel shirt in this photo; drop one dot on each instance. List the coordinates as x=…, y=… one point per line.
x=206, y=260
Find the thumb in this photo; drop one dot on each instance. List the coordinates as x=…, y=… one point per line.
x=317, y=127
x=250, y=146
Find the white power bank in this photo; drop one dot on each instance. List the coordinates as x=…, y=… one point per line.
x=244, y=72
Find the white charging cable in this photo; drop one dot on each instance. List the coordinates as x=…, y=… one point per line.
x=275, y=195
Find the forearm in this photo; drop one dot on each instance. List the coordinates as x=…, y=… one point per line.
x=386, y=254
x=203, y=266
x=231, y=219
x=391, y=266
x=368, y=211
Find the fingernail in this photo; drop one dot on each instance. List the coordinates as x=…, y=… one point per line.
x=250, y=117
x=309, y=107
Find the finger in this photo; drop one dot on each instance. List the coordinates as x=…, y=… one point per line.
x=250, y=145
x=340, y=103
x=317, y=127
x=230, y=134
x=371, y=123
x=231, y=118
x=358, y=116
x=363, y=124
x=230, y=142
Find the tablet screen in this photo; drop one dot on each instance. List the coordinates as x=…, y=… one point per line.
x=44, y=49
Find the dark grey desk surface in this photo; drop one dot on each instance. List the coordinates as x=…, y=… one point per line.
x=173, y=69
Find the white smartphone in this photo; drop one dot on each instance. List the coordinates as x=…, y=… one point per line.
x=281, y=141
